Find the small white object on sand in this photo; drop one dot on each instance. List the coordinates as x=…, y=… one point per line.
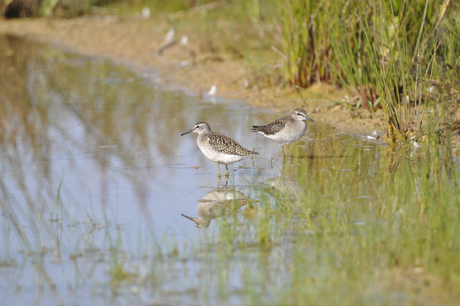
x=213, y=90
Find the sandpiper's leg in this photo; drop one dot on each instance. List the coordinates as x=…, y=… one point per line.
x=226, y=171
x=284, y=155
x=218, y=169
x=218, y=182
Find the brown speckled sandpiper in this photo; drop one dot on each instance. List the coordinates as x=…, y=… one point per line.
x=219, y=148
x=285, y=130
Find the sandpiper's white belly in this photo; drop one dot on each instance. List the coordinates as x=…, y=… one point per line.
x=290, y=134
x=219, y=158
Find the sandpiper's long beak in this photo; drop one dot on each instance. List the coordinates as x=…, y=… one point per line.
x=308, y=118
x=185, y=133
x=190, y=218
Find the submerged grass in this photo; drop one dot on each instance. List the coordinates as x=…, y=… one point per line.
x=364, y=232
x=346, y=236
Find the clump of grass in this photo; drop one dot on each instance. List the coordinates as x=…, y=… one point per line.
x=388, y=54
x=308, y=47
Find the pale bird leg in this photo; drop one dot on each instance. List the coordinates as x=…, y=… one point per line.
x=218, y=169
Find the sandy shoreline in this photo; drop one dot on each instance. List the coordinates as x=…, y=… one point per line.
x=136, y=43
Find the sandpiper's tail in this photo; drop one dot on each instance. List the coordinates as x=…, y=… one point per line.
x=249, y=152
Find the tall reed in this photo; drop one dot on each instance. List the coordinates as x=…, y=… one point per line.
x=308, y=47
x=387, y=53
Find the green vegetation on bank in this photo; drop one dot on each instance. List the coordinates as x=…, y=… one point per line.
x=402, y=56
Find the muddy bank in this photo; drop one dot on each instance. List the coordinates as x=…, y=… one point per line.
x=142, y=45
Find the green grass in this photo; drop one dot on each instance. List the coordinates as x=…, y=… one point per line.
x=386, y=53
x=396, y=55
x=401, y=56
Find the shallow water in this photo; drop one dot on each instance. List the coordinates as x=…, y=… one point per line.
x=88, y=144
x=111, y=138
x=95, y=178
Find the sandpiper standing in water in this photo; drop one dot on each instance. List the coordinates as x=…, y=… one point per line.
x=285, y=130
x=219, y=148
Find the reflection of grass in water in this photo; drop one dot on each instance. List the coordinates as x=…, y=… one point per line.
x=46, y=98
x=8, y=263
x=359, y=233
x=407, y=222
x=373, y=226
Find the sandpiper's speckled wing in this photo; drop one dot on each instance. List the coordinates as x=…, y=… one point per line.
x=273, y=127
x=226, y=145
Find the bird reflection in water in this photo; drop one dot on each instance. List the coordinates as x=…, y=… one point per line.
x=283, y=186
x=217, y=203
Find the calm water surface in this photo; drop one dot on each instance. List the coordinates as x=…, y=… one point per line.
x=91, y=158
